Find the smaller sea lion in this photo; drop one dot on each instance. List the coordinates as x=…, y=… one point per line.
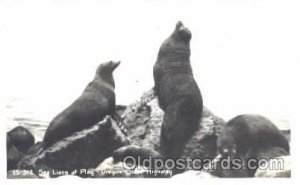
x=245, y=134
x=96, y=101
x=244, y=138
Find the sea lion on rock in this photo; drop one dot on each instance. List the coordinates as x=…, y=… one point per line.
x=96, y=101
x=248, y=137
x=246, y=134
x=177, y=91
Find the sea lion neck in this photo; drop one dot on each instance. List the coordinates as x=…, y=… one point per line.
x=105, y=77
x=174, y=53
x=181, y=37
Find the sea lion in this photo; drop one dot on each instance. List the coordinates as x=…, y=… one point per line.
x=248, y=137
x=96, y=101
x=21, y=138
x=178, y=93
x=245, y=135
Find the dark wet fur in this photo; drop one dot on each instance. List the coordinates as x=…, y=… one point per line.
x=252, y=132
x=97, y=101
x=177, y=91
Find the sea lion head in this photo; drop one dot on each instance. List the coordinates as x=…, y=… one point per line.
x=107, y=67
x=105, y=70
x=176, y=48
x=227, y=145
x=181, y=32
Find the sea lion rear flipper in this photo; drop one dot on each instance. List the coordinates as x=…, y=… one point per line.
x=180, y=122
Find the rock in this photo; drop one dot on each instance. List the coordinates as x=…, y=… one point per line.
x=143, y=123
x=227, y=170
x=287, y=134
x=120, y=109
x=135, y=152
x=143, y=120
x=264, y=154
x=69, y=177
x=140, y=159
x=283, y=168
x=82, y=150
x=193, y=175
x=21, y=138
x=13, y=155
x=34, y=148
x=271, y=155
x=110, y=168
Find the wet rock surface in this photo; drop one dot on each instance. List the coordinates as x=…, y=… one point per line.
x=13, y=155
x=35, y=148
x=283, y=171
x=21, y=138
x=193, y=174
x=265, y=155
x=273, y=155
x=83, y=150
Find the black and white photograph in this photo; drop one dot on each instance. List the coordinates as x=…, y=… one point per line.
x=149, y=89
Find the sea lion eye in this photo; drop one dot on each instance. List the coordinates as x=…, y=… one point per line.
x=234, y=151
x=225, y=151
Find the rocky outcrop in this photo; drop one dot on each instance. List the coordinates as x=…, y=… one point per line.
x=34, y=148
x=261, y=157
x=13, y=155
x=277, y=167
x=82, y=150
x=143, y=121
x=193, y=175
x=21, y=138
x=278, y=163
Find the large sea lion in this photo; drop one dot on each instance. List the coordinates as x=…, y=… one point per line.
x=177, y=91
x=96, y=101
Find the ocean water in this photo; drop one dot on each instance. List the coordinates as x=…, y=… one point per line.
x=20, y=113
